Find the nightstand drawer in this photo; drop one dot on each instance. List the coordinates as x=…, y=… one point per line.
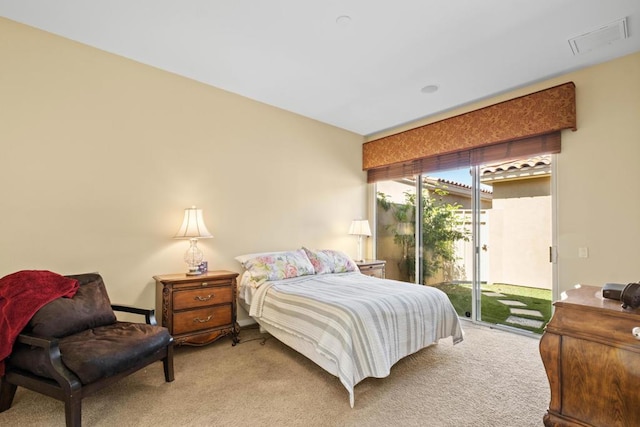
x=195, y=320
x=195, y=298
x=373, y=268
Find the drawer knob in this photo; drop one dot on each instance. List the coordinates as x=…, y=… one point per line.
x=198, y=320
x=636, y=332
x=204, y=284
x=199, y=298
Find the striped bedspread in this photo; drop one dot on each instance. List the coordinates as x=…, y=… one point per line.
x=363, y=324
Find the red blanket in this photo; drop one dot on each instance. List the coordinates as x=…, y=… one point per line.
x=22, y=294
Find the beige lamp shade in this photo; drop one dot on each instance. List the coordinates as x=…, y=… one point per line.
x=360, y=227
x=193, y=225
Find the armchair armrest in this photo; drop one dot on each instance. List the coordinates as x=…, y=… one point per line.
x=61, y=374
x=38, y=341
x=149, y=314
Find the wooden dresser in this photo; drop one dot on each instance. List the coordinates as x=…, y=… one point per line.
x=592, y=361
x=198, y=310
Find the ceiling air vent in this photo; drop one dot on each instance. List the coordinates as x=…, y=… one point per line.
x=601, y=37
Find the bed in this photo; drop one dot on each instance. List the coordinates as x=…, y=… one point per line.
x=352, y=325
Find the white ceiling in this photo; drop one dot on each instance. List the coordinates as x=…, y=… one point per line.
x=364, y=76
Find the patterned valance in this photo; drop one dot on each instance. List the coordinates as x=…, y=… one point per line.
x=502, y=151
x=535, y=114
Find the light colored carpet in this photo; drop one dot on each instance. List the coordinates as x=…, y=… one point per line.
x=493, y=378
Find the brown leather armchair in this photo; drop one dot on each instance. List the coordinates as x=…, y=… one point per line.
x=73, y=347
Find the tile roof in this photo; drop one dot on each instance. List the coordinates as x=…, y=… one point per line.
x=518, y=165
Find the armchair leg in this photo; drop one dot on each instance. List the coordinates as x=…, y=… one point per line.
x=73, y=410
x=167, y=364
x=7, y=392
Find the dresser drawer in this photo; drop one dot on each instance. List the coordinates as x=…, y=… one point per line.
x=202, y=297
x=205, y=318
x=599, y=325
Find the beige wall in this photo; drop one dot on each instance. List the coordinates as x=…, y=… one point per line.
x=526, y=187
x=598, y=197
x=100, y=155
x=519, y=235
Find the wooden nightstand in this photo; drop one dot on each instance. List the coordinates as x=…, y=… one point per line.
x=198, y=310
x=372, y=267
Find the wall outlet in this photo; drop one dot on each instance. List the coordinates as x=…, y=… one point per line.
x=583, y=252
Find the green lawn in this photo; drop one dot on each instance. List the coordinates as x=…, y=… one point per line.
x=493, y=311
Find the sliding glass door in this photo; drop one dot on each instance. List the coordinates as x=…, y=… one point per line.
x=516, y=243
x=446, y=237
x=395, y=228
x=481, y=234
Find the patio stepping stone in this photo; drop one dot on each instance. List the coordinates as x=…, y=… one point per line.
x=514, y=318
x=526, y=311
x=493, y=294
x=525, y=322
x=512, y=303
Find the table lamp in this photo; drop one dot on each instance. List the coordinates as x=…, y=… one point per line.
x=360, y=227
x=193, y=228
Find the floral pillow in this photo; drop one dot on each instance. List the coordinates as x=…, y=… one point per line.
x=278, y=266
x=329, y=261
